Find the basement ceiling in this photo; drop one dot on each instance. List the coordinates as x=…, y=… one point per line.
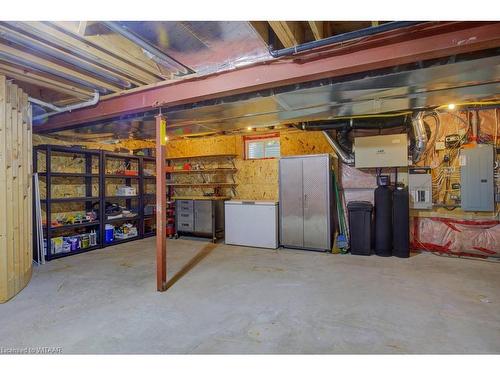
x=64, y=62
x=410, y=89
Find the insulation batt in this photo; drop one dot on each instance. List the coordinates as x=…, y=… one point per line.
x=457, y=237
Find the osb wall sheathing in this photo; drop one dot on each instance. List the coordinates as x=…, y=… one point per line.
x=15, y=190
x=130, y=144
x=256, y=179
x=225, y=144
x=303, y=143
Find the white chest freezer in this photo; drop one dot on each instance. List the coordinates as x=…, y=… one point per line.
x=251, y=223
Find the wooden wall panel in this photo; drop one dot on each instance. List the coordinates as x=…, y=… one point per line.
x=225, y=144
x=303, y=143
x=256, y=179
x=15, y=190
x=131, y=144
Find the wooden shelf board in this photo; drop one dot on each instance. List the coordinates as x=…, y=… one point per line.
x=203, y=156
x=70, y=226
x=215, y=170
x=70, y=199
x=131, y=218
x=205, y=184
x=79, y=251
x=121, y=196
x=200, y=197
x=63, y=174
x=120, y=176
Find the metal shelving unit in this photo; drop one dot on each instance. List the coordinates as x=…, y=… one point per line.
x=145, y=196
x=104, y=176
x=107, y=175
x=47, y=203
x=87, y=177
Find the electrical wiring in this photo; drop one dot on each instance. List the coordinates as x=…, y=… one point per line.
x=446, y=106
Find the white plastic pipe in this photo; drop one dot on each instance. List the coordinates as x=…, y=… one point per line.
x=56, y=110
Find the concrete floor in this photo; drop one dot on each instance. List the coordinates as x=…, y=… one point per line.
x=246, y=300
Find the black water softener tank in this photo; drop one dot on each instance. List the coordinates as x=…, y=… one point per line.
x=401, y=218
x=383, y=220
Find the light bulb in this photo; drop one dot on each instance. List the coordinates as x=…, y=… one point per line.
x=451, y=106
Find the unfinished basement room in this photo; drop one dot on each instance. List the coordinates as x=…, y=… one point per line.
x=249, y=187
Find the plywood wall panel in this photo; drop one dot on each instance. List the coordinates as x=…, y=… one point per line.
x=225, y=144
x=256, y=179
x=303, y=143
x=15, y=190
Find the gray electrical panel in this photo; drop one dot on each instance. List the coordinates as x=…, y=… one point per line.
x=476, y=178
x=420, y=188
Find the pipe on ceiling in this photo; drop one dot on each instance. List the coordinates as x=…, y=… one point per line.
x=152, y=51
x=371, y=123
x=345, y=157
x=417, y=123
x=45, y=69
x=344, y=37
x=27, y=43
x=55, y=109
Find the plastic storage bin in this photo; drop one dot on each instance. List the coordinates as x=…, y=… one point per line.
x=360, y=227
x=109, y=233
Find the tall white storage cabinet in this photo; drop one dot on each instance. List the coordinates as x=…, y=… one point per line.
x=306, y=202
x=251, y=223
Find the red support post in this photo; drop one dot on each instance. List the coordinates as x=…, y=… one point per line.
x=161, y=204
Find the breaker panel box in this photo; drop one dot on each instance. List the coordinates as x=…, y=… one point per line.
x=476, y=178
x=381, y=151
x=420, y=188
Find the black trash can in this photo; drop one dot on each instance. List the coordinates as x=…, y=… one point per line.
x=360, y=227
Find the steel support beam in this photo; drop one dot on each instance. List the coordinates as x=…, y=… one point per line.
x=423, y=42
x=161, y=204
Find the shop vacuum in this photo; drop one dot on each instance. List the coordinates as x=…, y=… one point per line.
x=383, y=217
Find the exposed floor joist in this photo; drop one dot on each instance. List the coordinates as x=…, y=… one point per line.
x=400, y=47
x=31, y=59
x=290, y=33
x=67, y=42
x=31, y=77
x=317, y=29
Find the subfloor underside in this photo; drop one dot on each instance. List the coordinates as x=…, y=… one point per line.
x=230, y=299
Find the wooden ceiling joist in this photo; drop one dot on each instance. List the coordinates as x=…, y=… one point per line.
x=35, y=45
x=317, y=29
x=28, y=58
x=73, y=43
x=82, y=26
x=119, y=46
x=27, y=76
x=290, y=33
